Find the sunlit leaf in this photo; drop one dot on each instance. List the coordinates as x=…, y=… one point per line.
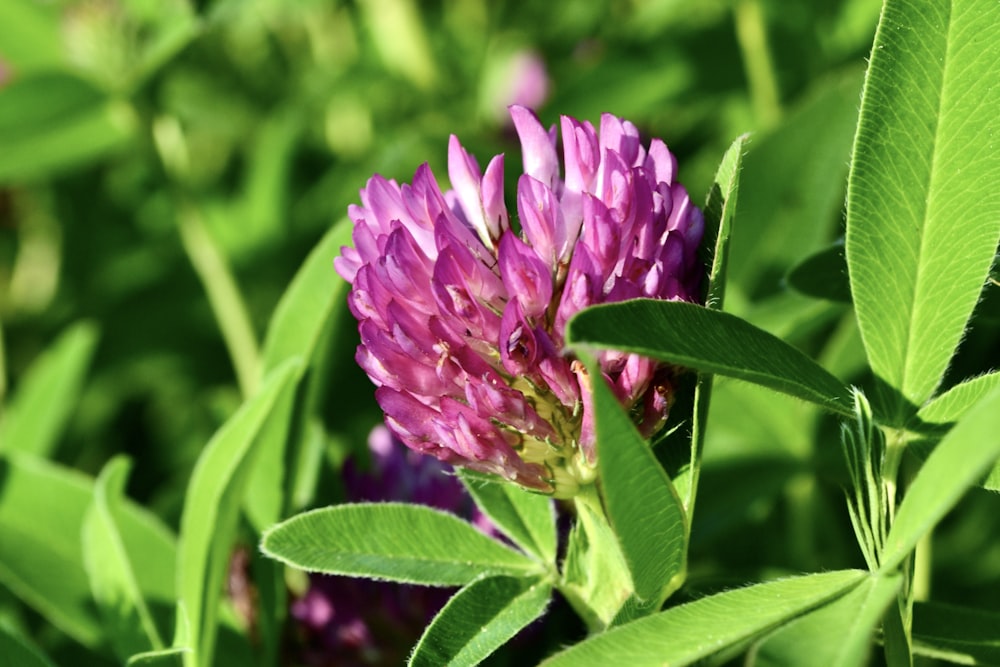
x=923, y=217
x=479, y=619
x=686, y=634
x=836, y=635
x=527, y=518
x=112, y=569
x=958, y=461
x=211, y=509
x=365, y=540
x=708, y=341
x=48, y=394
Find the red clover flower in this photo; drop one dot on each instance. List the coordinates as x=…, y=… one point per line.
x=462, y=316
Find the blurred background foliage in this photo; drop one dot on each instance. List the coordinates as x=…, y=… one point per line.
x=166, y=166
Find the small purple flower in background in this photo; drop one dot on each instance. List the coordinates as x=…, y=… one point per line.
x=517, y=76
x=462, y=318
x=357, y=622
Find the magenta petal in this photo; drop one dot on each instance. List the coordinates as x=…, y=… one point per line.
x=467, y=181
x=526, y=277
x=582, y=154
x=518, y=345
x=494, y=208
x=661, y=162
x=537, y=146
x=542, y=220
x=622, y=137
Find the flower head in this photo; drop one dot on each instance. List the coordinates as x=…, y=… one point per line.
x=462, y=315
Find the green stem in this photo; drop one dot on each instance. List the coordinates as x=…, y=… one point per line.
x=208, y=261
x=595, y=579
x=751, y=33
x=223, y=296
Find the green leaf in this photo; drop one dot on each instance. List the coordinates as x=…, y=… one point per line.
x=710, y=342
x=479, y=619
x=835, y=635
x=304, y=311
x=923, y=215
x=48, y=393
x=792, y=185
x=944, y=410
x=30, y=35
x=720, y=208
x=314, y=294
x=642, y=505
x=956, y=634
x=951, y=405
x=168, y=28
x=18, y=652
x=366, y=540
x=211, y=508
x=42, y=509
x=529, y=519
x=176, y=656
x=958, y=462
x=685, y=634
x=168, y=657
x=112, y=569
x=822, y=275
x=51, y=121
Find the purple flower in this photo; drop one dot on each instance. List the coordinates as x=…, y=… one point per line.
x=462, y=317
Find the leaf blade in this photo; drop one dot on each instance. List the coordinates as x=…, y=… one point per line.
x=957, y=462
x=295, y=329
x=836, y=635
x=211, y=508
x=922, y=151
x=720, y=210
x=642, y=505
x=48, y=393
x=110, y=568
x=527, y=518
x=364, y=539
x=708, y=341
x=479, y=619
x=685, y=634
x=958, y=634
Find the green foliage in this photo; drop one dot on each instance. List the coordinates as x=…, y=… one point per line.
x=479, y=619
x=364, y=540
x=36, y=416
x=17, y=652
x=211, y=509
x=690, y=632
x=113, y=570
x=720, y=209
x=42, y=509
x=53, y=121
x=958, y=462
x=641, y=503
x=526, y=518
x=956, y=634
x=295, y=330
x=923, y=151
x=711, y=342
x=838, y=634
